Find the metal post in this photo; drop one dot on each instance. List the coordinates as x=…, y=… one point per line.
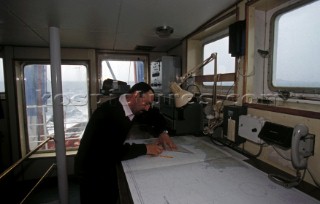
x=215, y=79
x=58, y=118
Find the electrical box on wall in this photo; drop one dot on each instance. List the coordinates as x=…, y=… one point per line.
x=231, y=116
x=164, y=71
x=250, y=127
x=276, y=134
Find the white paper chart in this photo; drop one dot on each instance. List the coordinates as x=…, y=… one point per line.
x=201, y=173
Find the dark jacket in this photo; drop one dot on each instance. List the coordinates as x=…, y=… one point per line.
x=102, y=144
x=102, y=148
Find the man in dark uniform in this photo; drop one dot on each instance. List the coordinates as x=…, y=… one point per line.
x=103, y=143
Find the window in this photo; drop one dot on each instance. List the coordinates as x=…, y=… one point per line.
x=2, y=87
x=294, y=48
x=225, y=63
x=130, y=72
x=130, y=69
x=39, y=107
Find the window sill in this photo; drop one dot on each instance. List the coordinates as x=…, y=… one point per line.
x=52, y=154
x=287, y=109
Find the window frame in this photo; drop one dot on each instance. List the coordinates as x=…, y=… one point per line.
x=224, y=88
x=214, y=39
x=297, y=90
x=122, y=57
x=22, y=101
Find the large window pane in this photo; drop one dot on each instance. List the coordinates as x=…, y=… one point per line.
x=225, y=62
x=295, y=51
x=39, y=109
x=130, y=72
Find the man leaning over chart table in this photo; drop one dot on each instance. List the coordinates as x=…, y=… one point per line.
x=103, y=143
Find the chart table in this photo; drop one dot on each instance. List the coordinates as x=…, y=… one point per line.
x=202, y=173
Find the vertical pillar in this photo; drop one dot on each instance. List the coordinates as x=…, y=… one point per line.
x=58, y=117
x=215, y=75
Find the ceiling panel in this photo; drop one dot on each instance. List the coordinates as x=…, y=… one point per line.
x=104, y=24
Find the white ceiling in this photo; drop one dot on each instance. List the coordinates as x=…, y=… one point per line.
x=104, y=24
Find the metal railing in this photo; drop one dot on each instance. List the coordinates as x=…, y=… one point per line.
x=17, y=163
x=39, y=129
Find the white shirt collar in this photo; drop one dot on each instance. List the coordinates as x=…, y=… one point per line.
x=126, y=107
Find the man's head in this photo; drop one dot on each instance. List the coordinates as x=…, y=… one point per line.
x=141, y=97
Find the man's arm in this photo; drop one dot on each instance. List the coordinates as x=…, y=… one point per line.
x=156, y=120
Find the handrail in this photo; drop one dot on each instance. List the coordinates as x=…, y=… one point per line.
x=39, y=181
x=3, y=174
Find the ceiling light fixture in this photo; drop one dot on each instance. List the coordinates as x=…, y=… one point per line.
x=164, y=31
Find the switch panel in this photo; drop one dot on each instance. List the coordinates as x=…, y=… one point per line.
x=250, y=127
x=231, y=116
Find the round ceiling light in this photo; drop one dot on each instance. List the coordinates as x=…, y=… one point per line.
x=164, y=31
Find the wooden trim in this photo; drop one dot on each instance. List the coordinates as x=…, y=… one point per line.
x=265, y=5
x=222, y=97
x=220, y=77
x=216, y=19
x=289, y=111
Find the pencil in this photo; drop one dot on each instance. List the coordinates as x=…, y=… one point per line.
x=166, y=156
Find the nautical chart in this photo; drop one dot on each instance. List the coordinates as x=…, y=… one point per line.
x=201, y=173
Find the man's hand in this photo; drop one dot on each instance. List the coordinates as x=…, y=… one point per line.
x=154, y=149
x=166, y=142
